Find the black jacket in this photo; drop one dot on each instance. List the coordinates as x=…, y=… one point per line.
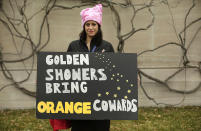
x=90, y=125
x=77, y=46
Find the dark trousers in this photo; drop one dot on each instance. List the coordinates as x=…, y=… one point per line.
x=90, y=125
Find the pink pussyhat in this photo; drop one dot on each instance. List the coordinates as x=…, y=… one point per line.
x=94, y=14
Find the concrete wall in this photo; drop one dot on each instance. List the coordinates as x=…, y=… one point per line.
x=65, y=25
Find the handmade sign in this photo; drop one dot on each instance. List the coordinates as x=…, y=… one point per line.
x=87, y=86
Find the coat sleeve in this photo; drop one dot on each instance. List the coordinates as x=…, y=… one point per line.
x=69, y=48
x=107, y=46
x=111, y=48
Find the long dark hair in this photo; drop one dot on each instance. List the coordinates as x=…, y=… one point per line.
x=97, y=39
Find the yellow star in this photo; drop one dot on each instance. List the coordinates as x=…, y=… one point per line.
x=113, y=75
x=117, y=73
x=99, y=95
x=117, y=80
x=107, y=93
x=131, y=85
x=129, y=91
x=121, y=75
x=127, y=81
x=118, y=88
x=125, y=97
x=112, y=79
x=113, y=66
x=115, y=95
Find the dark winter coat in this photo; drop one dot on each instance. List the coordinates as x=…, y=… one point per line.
x=90, y=125
x=77, y=46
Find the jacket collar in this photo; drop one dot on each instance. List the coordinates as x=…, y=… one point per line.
x=84, y=46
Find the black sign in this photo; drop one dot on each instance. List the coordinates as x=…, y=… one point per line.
x=87, y=86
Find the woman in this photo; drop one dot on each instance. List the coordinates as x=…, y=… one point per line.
x=91, y=36
x=91, y=41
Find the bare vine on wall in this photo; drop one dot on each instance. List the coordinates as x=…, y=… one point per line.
x=18, y=25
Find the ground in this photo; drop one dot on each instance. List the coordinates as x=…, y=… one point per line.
x=150, y=119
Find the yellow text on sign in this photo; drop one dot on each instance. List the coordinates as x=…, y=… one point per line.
x=67, y=108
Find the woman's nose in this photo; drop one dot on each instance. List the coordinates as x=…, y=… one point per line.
x=90, y=27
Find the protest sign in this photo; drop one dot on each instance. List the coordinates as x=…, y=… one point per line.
x=86, y=86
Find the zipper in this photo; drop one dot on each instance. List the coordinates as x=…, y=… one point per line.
x=93, y=49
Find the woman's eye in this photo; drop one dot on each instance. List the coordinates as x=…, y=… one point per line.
x=92, y=24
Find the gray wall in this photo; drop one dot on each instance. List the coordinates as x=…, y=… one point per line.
x=65, y=25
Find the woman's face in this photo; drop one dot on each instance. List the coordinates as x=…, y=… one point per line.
x=91, y=28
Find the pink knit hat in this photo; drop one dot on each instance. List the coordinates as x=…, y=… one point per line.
x=94, y=14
